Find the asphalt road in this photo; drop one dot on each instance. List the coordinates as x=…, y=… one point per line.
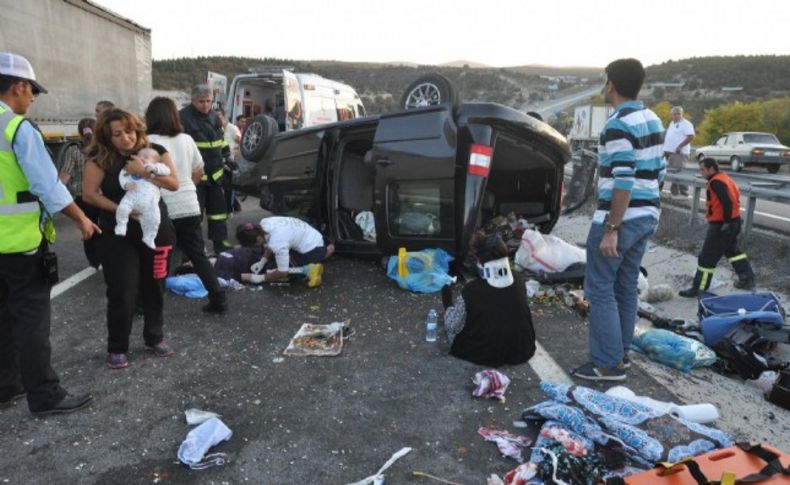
x=295, y=420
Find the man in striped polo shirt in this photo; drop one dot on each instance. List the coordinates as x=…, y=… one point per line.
x=630, y=169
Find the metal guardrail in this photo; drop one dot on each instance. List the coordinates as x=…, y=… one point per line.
x=777, y=191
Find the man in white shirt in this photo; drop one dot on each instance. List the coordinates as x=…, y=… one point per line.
x=292, y=247
x=677, y=145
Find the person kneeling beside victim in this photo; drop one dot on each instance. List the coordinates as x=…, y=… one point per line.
x=292, y=247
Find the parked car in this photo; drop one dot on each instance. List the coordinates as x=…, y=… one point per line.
x=742, y=149
x=428, y=176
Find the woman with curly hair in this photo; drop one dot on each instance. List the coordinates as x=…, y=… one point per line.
x=129, y=266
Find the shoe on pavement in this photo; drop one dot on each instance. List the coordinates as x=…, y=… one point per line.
x=117, y=361
x=217, y=307
x=744, y=284
x=689, y=293
x=591, y=373
x=314, y=274
x=15, y=395
x=162, y=349
x=68, y=404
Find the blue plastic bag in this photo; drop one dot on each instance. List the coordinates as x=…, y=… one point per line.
x=423, y=271
x=188, y=285
x=673, y=350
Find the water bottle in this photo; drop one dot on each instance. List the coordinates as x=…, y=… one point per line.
x=431, y=326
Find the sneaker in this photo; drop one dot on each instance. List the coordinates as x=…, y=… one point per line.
x=744, y=284
x=591, y=373
x=162, y=349
x=216, y=307
x=314, y=274
x=689, y=293
x=15, y=396
x=117, y=361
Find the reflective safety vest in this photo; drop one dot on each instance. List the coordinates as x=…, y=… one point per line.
x=715, y=208
x=19, y=221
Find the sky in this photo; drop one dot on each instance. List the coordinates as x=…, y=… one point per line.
x=496, y=33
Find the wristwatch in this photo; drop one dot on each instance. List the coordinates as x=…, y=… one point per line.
x=611, y=227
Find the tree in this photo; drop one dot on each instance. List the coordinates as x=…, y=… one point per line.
x=662, y=111
x=776, y=118
x=730, y=117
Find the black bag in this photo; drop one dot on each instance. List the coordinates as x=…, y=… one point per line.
x=49, y=266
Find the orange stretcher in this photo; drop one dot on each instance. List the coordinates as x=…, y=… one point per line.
x=737, y=464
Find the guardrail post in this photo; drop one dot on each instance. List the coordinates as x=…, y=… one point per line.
x=695, y=205
x=747, y=226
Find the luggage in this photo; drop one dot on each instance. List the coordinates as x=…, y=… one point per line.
x=719, y=315
x=780, y=393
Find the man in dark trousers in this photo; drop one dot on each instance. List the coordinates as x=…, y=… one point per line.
x=724, y=225
x=29, y=191
x=204, y=126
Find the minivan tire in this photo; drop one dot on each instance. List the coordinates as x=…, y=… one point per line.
x=429, y=90
x=257, y=137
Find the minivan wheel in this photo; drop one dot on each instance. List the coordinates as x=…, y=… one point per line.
x=735, y=164
x=430, y=90
x=257, y=137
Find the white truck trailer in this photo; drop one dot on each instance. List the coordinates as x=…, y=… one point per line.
x=588, y=121
x=82, y=53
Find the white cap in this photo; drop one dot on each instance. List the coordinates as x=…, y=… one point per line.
x=17, y=66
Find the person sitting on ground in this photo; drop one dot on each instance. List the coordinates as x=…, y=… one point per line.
x=142, y=197
x=491, y=323
x=292, y=247
x=234, y=264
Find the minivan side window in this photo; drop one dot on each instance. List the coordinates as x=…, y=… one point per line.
x=417, y=208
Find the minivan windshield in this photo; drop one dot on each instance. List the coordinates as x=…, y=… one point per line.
x=758, y=138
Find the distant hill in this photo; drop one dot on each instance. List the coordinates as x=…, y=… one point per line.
x=382, y=84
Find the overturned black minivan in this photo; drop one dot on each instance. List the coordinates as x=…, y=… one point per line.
x=428, y=177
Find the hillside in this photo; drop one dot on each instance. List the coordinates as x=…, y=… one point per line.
x=379, y=84
x=382, y=84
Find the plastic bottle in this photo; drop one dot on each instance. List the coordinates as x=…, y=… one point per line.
x=431, y=326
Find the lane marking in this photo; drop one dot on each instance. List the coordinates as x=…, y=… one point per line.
x=71, y=282
x=547, y=368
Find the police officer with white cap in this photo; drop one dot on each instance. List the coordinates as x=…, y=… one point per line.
x=29, y=192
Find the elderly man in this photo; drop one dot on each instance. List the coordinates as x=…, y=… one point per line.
x=29, y=189
x=204, y=126
x=677, y=146
x=627, y=215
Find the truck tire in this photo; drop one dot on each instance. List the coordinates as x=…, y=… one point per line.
x=70, y=162
x=257, y=137
x=430, y=90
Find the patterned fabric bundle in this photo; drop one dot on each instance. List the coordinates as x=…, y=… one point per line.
x=491, y=384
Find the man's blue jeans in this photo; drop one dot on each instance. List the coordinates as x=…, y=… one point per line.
x=610, y=287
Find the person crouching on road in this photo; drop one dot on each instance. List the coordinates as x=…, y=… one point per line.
x=28, y=183
x=128, y=263
x=724, y=225
x=491, y=323
x=292, y=247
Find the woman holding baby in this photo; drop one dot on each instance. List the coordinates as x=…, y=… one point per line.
x=129, y=265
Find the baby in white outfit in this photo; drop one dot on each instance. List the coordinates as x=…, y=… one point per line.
x=141, y=196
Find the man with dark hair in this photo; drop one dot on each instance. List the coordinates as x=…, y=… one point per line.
x=630, y=167
x=103, y=106
x=204, y=126
x=28, y=183
x=724, y=225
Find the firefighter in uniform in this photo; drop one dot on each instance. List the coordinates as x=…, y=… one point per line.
x=29, y=191
x=204, y=126
x=724, y=225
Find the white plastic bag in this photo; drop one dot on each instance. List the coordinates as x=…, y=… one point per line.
x=547, y=253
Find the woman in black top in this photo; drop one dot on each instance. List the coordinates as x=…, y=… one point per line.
x=128, y=264
x=491, y=323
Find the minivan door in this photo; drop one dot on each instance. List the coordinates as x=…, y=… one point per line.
x=292, y=118
x=414, y=154
x=219, y=89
